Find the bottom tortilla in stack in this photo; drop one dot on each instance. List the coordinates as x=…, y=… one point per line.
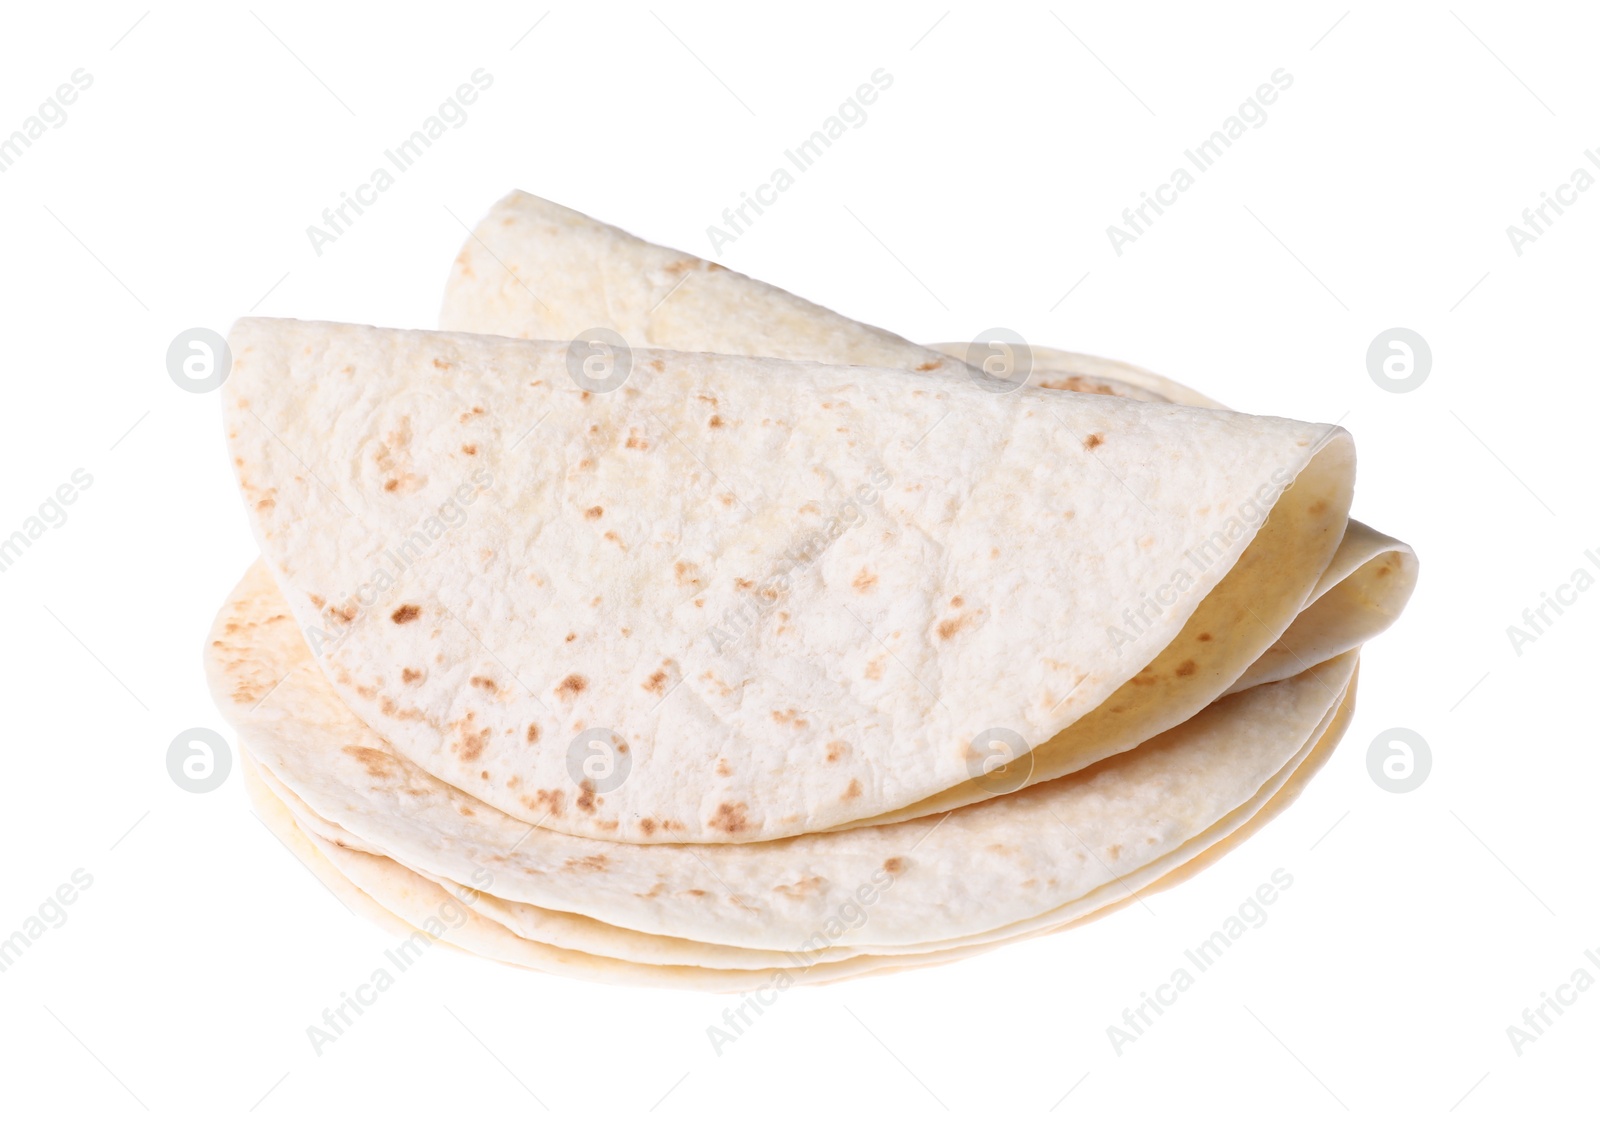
x=402, y=847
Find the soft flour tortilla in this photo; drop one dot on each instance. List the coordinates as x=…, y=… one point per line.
x=534, y=269
x=1007, y=861
x=608, y=572
x=1359, y=595
x=599, y=276
x=1203, y=753
x=396, y=890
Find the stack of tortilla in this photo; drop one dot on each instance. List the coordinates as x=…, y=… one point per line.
x=649, y=624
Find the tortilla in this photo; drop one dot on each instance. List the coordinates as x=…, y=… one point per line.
x=1006, y=861
x=439, y=916
x=534, y=269
x=771, y=669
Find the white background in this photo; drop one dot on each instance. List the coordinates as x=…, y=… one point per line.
x=1377, y=194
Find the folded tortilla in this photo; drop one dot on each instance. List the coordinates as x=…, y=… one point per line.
x=798, y=595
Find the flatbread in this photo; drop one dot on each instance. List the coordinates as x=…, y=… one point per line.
x=607, y=564
x=439, y=917
x=1006, y=861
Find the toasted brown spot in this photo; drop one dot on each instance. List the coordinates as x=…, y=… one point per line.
x=837, y=750
x=874, y=670
x=411, y=674
x=801, y=889
x=404, y=613
x=571, y=636
x=1204, y=637
x=865, y=581
x=956, y=602
x=549, y=802
x=586, y=801
x=648, y=826
x=571, y=686
x=1185, y=668
x=950, y=627
x=594, y=512
x=483, y=682
x=715, y=422
x=722, y=767
x=1093, y=440
x=1114, y=850
x=594, y=863
x=852, y=791
x=470, y=450
x=730, y=818
x=636, y=442
x=533, y=732
x=656, y=683
x=931, y=364
x=390, y=485
x=378, y=764
x=1318, y=507
x=894, y=865
x=470, y=743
